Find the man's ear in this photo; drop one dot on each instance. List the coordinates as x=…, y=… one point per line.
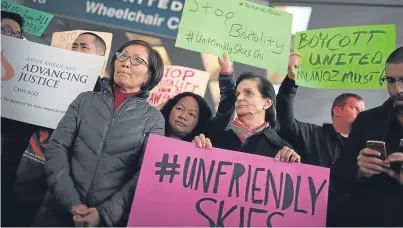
x=337, y=110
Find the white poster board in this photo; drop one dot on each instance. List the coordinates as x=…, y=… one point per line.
x=176, y=80
x=39, y=82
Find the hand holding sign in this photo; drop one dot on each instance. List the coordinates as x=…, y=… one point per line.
x=293, y=62
x=225, y=64
x=202, y=142
x=288, y=155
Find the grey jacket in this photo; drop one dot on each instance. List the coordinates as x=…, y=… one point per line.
x=95, y=155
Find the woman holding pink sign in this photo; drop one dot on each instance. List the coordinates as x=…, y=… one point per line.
x=254, y=129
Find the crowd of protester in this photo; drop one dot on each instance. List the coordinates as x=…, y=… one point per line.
x=109, y=127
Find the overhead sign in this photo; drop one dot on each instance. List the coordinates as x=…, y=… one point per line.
x=153, y=17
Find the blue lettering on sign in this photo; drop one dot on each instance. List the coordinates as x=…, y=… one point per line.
x=153, y=17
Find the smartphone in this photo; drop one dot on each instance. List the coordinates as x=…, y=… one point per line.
x=378, y=146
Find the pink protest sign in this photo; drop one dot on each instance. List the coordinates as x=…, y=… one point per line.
x=178, y=79
x=181, y=185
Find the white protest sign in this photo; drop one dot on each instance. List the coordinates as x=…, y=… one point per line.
x=176, y=80
x=39, y=82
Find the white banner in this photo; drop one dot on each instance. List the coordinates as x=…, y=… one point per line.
x=176, y=80
x=39, y=82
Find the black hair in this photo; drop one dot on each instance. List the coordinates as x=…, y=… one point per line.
x=396, y=57
x=267, y=91
x=340, y=101
x=155, y=64
x=205, y=115
x=99, y=42
x=13, y=16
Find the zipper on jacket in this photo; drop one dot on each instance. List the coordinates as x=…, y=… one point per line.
x=115, y=116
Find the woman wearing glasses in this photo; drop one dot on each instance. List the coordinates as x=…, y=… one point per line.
x=93, y=159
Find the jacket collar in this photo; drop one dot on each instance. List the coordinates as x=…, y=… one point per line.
x=386, y=112
x=329, y=129
x=387, y=109
x=272, y=136
x=107, y=86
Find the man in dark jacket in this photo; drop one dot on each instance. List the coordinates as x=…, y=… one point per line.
x=317, y=145
x=14, y=134
x=376, y=185
x=30, y=184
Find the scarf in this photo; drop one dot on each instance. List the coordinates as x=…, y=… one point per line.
x=120, y=97
x=243, y=131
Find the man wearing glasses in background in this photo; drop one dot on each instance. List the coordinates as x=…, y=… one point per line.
x=11, y=24
x=374, y=180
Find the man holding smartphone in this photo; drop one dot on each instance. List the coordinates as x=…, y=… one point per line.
x=374, y=177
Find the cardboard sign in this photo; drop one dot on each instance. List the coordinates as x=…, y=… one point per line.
x=35, y=21
x=251, y=33
x=66, y=39
x=39, y=82
x=176, y=80
x=345, y=57
x=182, y=185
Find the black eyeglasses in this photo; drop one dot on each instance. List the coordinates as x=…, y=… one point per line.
x=391, y=81
x=135, y=61
x=8, y=31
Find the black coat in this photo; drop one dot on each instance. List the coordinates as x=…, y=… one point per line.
x=265, y=143
x=95, y=155
x=375, y=201
x=15, y=137
x=317, y=145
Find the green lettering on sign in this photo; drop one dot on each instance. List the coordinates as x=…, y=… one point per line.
x=345, y=57
x=251, y=33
